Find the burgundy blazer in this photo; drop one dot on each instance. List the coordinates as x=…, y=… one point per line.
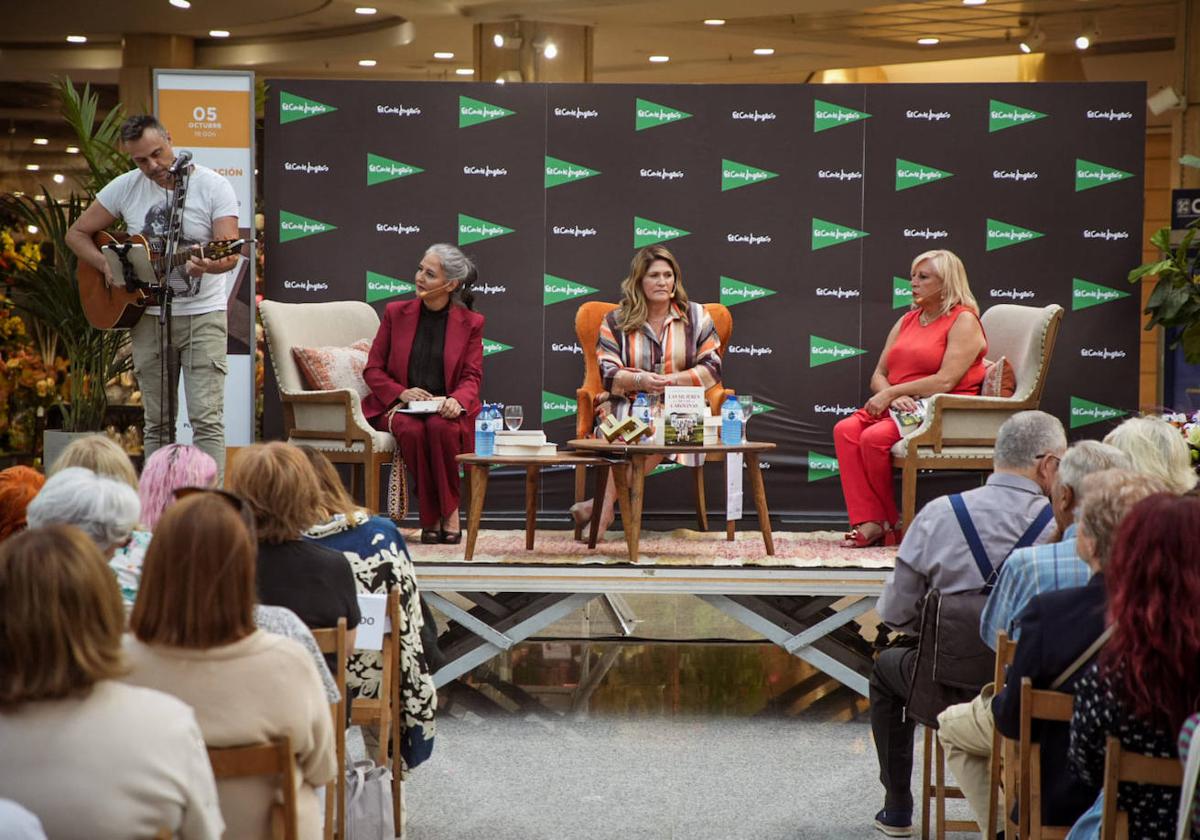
x=386, y=372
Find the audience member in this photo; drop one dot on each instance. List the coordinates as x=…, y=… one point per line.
x=103, y=508
x=90, y=756
x=18, y=486
x=175, y=465
x=1157, y=448
x=100, y=454
x=1145, y=683
x=1009, y=510
x=194, y=637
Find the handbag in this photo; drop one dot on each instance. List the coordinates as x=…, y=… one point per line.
x=397, y=500
x=369, y=802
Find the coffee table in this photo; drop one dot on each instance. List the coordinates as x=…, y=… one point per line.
x=629, y=488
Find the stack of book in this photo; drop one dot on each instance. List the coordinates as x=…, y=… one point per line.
x=524, y=444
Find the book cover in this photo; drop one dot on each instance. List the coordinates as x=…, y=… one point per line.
x=514, y=450
x=684, y=409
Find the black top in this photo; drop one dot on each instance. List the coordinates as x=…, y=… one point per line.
x=314, y=582
x=425, y=367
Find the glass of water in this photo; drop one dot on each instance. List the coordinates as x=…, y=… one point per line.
x=747, y=405
x=512, y=417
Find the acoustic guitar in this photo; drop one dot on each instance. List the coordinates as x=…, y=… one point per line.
x=121, y=305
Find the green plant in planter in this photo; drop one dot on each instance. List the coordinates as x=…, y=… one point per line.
x=1175, y=301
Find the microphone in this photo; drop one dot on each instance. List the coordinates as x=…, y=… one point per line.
x=424, y=293
x=181, y=162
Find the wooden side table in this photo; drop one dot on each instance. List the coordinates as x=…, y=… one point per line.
x=478, y=468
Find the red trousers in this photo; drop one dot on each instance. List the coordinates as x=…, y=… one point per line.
x=863, y=444
x=429, y=443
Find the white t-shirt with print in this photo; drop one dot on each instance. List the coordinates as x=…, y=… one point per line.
x=145, y=207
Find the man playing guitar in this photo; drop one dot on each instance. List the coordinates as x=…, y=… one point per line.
x=142, y=198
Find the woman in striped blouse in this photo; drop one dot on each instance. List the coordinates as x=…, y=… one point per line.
x=655, y=338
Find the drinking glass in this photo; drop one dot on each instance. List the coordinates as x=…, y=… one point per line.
x=746, y=403
x=512, y=417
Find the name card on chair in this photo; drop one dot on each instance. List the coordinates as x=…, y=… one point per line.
x=374, y=624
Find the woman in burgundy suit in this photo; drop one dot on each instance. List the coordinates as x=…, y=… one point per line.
x=430, y=348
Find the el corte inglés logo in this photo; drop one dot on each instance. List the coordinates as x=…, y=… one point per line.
x=1085, y=294
x=822, y=351
x=909, y=174
x=556, y=406
x=825, y=234
x=558, y=289
x=471, y=229
x=1002, y=115
x=827, y=115
x=649, y=114
x=1085, y=412
x=293, y=108
x=1002, y=234
x=381, y=169
x=1089, y=175
x=294, y=226
x=648, y=232
x=473, y=112
x=735, y=175
x=901, y=292
x=821, y=466
x=490, y=347
x=563, y=172
x=382, y=287
x=734, y=292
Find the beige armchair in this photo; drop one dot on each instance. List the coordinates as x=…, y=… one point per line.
x=331, y=421
x=959, y=431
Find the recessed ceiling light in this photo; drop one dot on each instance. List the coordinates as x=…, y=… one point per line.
x=973, y=2
x=72, y=150
x=928, y=42
x=32, y=167
x=464, y=71
x=550, y=50
x=660, y=59
x=365, y=10
x=77, y=39
x=714, y=22
x=444, y=55
x=181, y=4
x=218, y=33
x=765, y=51
x=367, y=62
x=500, y=80
x=40, y=141
x=58, y=178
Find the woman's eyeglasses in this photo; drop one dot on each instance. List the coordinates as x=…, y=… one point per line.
x=232, y=499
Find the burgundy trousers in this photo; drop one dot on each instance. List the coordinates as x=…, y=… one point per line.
x=863, y=444
x=429, y=443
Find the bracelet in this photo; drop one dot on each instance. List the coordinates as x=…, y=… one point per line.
x=637, y=382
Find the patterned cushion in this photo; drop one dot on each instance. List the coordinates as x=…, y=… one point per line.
x=998, y=379
x=332, y=368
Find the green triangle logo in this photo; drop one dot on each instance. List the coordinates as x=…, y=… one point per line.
x=471, y=229
x=735, y=175
x=821, y=466
x=665, y=467
x=734, y=292
x=826, y=115
x=647, y=232
x=1089, y=175
x=825, y=234
x=560, y=172
x=294, y=226
x=762, y=408
x=491, y=348
x=901, y=292
x=556, y=406
x=473, y=112
x=1002, y=115
x=558, y=289
x=1085, y=412
x=822, y=351
x=651, y=115
x=1002, y=234
x=909, y=174
x=381, y=169
x=1085, y=295
x=293, y=108
x=382, y=287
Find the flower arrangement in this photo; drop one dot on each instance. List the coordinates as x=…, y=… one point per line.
x=1189, y=426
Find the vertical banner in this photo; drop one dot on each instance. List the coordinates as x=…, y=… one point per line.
x=210, y=113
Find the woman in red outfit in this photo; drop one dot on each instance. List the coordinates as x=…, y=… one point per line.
x=937, y=347
x=430, y=348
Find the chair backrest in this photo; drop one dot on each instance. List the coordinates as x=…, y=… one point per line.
x=1025, y=335
x=377, y=711
x=337, y=323
x=395, y=700
x=272, y=758
x=1037, y=704
x=1003, y=774
x=1123, y=766
x=333, y=640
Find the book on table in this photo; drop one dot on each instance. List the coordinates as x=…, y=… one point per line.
x=524, y=443
x=684, y=408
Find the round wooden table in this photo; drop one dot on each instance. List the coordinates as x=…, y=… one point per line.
x=629, y=488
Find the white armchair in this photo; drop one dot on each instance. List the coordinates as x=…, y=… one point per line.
x=331, y=421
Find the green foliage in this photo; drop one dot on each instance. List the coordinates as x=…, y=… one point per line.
x=98, y=144
x=1175, y=301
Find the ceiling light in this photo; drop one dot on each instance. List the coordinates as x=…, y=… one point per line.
x=367, y=62
x=1034, y=41
x=180, y=4
x=365, y=10
x=660, y=59
x=500, y=80
x=508, y=42
x=464, y=71
x=550, y=51
x=714, y=22
x=40, y=141
x=58, y=178
x=1089, y=35
x=498, y=41
x=765, y=51
x=31, y=229
x=32, y=167
x=72, y=150
x=77, y=39
x=444, y=55
x=973, y=2
x=928, y=42
x=218, y=33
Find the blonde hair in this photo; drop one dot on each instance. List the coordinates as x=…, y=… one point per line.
x=335, y=498
x=100, y=454
x=956, y=291
x=634, y=310
x=280, y=486
x=1105, y=498
x=1156, y=448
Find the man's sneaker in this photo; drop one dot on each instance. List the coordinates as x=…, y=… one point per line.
x=894, y=823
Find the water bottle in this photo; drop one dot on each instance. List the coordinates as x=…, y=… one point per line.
x=485, y=432
x=641, y=411
x=731, y=422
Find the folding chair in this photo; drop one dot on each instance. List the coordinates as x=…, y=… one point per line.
x=272, y=758
x=1000, y=771
x=1123, y=766
x=1037, y=705
x=377, y=711
x=396, y=698
x=333, y=640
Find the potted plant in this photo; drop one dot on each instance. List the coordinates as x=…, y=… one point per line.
x=1175, y=301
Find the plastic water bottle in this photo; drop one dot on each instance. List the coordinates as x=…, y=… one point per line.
x=731, y=422
x=485, y=431
x=641, y=411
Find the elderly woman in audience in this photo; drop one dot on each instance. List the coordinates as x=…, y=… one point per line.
x=103, y=508
x=1157, y=448
x=377, y=553
x=18, y=486
x=100, y=454
x=194, y=637
x=1145, y=683
x=90, y=756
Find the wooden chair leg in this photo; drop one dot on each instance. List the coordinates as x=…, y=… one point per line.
x=701, y=506
x=371, y=480
x=926, y=782
x=908, y=495
x=940, y=775
x=580, y=489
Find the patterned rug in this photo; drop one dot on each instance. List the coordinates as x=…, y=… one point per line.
x=682, y=547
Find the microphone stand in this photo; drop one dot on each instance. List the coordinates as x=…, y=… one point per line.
x=168, y=373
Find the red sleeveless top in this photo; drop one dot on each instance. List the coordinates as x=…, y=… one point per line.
x=918, y=351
